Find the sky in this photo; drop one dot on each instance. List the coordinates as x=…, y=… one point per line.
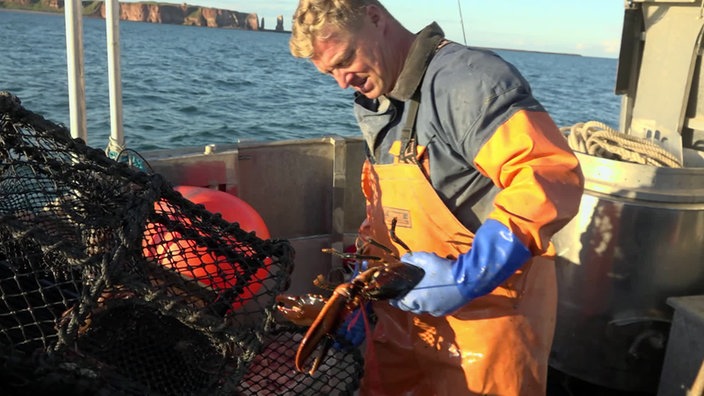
x=586, y=27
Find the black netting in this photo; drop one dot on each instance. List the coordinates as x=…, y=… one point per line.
x=272, y=372
x=111, y=282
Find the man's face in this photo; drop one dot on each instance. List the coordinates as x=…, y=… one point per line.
x=356, y=60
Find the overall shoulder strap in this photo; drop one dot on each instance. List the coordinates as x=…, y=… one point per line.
x=409, y=150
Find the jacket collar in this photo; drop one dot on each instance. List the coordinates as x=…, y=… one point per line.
x=419, y=56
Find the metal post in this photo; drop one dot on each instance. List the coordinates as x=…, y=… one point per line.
x=464, y=36
x=74, y=60
x=112, y=24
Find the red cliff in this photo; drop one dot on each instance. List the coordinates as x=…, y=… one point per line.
x=183, y=15
x=177, y=14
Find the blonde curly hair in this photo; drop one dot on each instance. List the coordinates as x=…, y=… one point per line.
x=312, y=16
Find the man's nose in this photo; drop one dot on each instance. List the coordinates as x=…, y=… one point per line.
x=342, y=78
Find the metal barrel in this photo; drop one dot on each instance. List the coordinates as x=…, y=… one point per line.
x=638, y=239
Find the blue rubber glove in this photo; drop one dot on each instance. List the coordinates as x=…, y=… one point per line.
x=495, y=255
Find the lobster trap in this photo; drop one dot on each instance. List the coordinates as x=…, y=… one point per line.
x=111, y=282
x=272, y=372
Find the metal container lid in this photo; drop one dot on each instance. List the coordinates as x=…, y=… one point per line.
x=645, y=182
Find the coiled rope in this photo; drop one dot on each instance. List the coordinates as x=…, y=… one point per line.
x=598, y=139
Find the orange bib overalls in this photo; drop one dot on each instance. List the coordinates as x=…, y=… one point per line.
x=497, y=344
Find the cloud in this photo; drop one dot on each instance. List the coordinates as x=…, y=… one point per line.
x=611, y=46
x=605, y=48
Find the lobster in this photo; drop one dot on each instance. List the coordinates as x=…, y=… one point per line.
x=383, y=280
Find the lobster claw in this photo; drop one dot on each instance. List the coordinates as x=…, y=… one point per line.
x=381, y=282
x=300, y=310
x=320, y=334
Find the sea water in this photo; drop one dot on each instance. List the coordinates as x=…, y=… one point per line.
x=186, y=86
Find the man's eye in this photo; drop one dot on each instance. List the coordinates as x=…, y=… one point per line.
x=345, y=62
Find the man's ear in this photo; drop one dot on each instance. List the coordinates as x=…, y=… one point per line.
x=375, y=15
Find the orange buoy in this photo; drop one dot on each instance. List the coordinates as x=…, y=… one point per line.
x=173, y=251
x=230, y=207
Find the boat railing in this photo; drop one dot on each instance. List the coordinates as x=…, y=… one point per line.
x=73, y=10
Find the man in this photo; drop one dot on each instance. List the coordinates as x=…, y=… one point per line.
x=478, y=179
